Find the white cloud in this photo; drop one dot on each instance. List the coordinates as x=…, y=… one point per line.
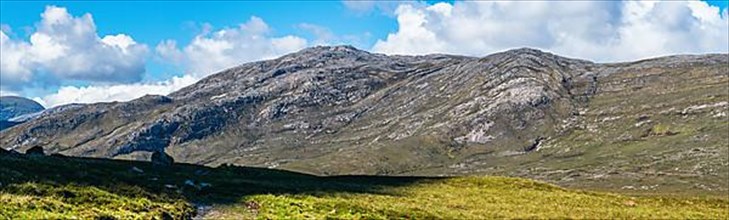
x=601, y=30
x=68, y=48
x=213, y=51
x=13, y=66
x=122, y=92
x=64, y=47
x=120, y=41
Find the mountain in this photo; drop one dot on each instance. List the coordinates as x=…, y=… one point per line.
x=656, y=123
x=13, y=106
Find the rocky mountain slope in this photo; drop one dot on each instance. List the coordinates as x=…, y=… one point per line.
x=14, y=106
x=339, y=110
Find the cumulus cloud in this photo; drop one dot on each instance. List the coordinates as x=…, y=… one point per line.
x=64, y=47
x=213, y=51
x=107, y=93
x=13, y=66
x=601, y=30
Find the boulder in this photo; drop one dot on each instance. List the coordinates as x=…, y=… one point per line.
x=37, y=150
x=162, y=159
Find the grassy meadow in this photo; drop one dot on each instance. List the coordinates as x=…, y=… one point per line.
x=56, y=187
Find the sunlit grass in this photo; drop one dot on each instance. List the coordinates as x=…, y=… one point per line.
x=472, y=198
x=44, y=201
x=77, y=188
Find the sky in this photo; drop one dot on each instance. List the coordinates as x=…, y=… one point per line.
x=83, y=52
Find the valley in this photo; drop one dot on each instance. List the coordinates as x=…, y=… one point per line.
x=337, y=132
x=342, y=111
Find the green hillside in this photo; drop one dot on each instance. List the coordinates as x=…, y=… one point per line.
x=60, y=187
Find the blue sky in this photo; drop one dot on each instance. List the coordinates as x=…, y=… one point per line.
x=719, y=3
x=469, y=28
x=152, y=22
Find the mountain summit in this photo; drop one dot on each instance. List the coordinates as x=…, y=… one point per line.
x=339, y=110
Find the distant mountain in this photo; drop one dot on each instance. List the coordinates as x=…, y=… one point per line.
x=339, y=110
x=14, y=106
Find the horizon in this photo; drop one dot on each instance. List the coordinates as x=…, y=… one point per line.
x=113, y=56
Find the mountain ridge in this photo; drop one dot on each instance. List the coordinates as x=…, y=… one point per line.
x=339, y=110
